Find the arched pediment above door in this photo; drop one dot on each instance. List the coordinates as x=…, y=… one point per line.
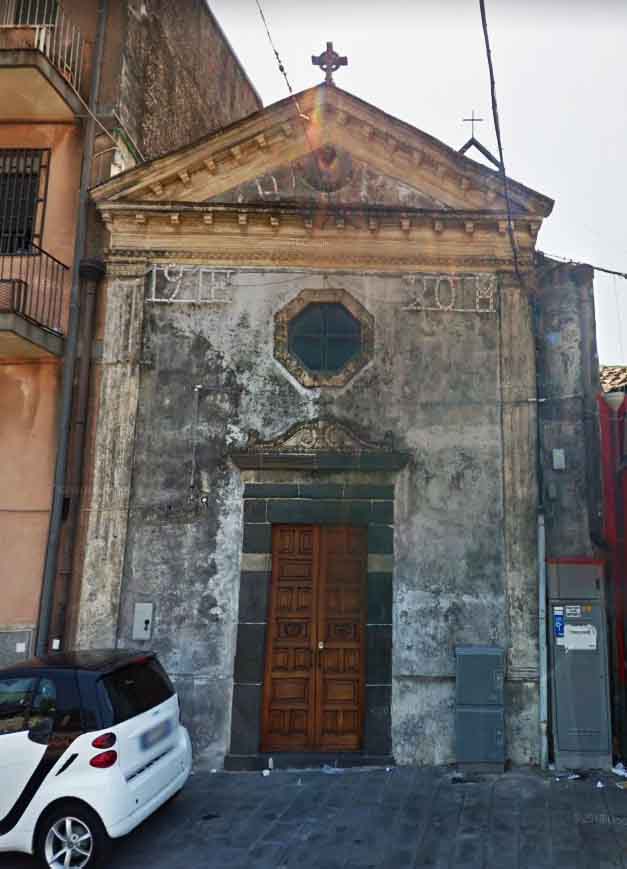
x=323, y=444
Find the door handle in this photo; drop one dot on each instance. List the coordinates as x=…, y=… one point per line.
x=320, y=646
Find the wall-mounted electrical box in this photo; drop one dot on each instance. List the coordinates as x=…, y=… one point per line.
x=559, y=460
x=479, y=712
x=14, y=646
x=142, y=621
x=579, y=665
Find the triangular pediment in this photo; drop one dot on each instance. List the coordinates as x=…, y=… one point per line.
x=329, y=176
x=323, y=147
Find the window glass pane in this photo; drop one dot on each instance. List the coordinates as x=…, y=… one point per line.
x=341, y=321
x=15, y=697
x=310, y=321
x=325, y=337
x=136, y=689
x=309, y=351
x=44, y=705
x=339, y=352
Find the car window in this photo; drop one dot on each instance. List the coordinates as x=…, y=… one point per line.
x=135, y=689
x=15, y=699
x=44, y=704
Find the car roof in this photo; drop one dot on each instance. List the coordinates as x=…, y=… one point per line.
x=94, y=661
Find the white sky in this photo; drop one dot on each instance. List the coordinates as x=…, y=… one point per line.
x=561, y=75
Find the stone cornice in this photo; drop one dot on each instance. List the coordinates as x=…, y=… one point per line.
x=247, y=229
x=336, y=260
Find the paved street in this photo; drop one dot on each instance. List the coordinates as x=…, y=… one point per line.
x=405, y=817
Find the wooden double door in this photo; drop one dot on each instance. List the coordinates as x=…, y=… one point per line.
x=314, y=674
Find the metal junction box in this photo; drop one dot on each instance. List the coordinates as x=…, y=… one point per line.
x=580, y=700
x=479, y=713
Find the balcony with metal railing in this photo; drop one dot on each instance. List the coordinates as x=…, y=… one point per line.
x=32, y=314
x=42, y=61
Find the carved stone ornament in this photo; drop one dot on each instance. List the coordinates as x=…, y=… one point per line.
x=320, y=444
x=318, y=435
x=323, y=444
x=294, y=365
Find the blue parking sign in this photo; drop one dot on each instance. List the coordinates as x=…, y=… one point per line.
x=558, y=624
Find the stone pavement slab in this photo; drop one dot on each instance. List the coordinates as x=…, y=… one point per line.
x=375, y=819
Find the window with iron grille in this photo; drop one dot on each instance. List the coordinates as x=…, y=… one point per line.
x=29, y=12
x=23, y=186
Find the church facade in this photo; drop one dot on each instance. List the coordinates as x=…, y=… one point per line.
x=318, y=440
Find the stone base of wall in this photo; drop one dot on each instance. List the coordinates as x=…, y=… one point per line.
x=423, y=721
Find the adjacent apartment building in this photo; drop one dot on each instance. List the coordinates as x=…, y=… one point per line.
x=88, y=88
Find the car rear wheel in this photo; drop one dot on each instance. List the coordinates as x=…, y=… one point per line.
x=71, y=836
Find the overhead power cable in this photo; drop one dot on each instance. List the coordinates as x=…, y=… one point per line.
x=497, y=130
x=280, y=63
x=282, y=69
x=606, y=271
x=301, y=115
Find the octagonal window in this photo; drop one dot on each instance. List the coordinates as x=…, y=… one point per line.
x=325, y=336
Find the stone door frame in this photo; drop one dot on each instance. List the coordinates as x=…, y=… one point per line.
x=265, y=504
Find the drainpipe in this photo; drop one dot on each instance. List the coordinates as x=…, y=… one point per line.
x=543, y=669
x=71, y=349
x=543, y=663
x=91, y=272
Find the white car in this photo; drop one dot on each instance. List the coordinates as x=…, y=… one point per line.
x=90, y=745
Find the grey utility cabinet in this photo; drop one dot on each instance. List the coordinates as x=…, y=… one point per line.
x=479, y=706
x=580, y=702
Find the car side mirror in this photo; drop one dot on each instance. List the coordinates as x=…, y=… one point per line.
x=41, y=731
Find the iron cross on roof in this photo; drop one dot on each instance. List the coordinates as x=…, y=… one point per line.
x=329, y=61
x=472, y=120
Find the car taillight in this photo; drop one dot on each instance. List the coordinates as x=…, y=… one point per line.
x=105, y=740
x=104, y=760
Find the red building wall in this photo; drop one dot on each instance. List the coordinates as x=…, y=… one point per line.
x=613, y=424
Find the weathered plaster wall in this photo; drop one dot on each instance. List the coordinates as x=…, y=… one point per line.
x=179, y=77
x=569, y=385
x=208, y=376
x=108, y=488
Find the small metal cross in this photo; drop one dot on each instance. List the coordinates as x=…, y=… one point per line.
x=472, y=120
x=329, y=61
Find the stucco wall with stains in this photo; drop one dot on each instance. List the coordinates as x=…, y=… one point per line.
x=178, y=77
x=206, y=375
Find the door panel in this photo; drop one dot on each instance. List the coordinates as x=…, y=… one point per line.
x=314, y=684
x=288, y=699
x=341, y=620
x=19, y=758
x=19, y=755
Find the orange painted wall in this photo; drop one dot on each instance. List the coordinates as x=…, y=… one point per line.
x=66, y=143
x=28, y=416
x=29, y=394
